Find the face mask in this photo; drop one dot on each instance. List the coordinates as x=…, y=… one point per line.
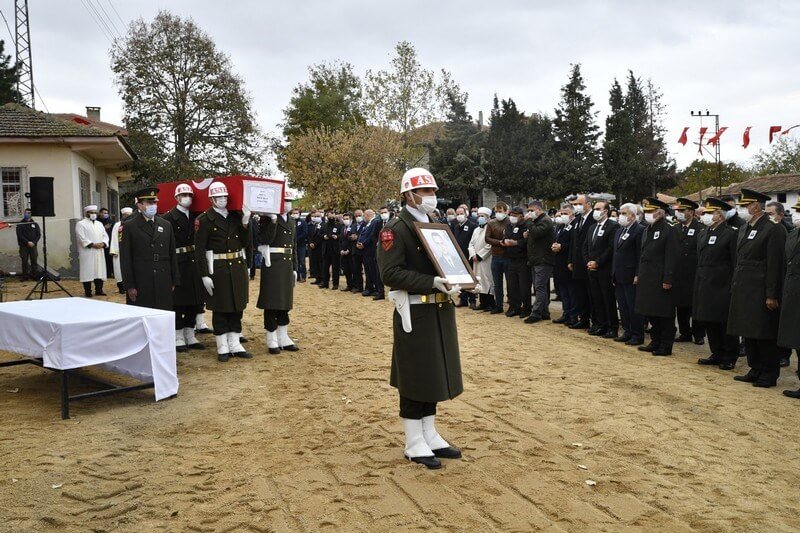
x=316, y=220
x=743, y=213
x=707, y=219
x=775, y=219
x=528, y=215
x=513, y=220
x=461, y=218
x=359, y=219
x=474, y=215
x=346, y=222
x=427, y=204
x=670, y=218
x=624, y=221
x=578, y=209
x=295, y=216
x=186, y=201
x=150, y=210
x=451, y=218
x=500, y=216
x=103, y=217
x=384, y=216
x=680, y=216
x=26, y=216
x=796, y=219
x=597, y=214
x=481, y=221
x=221, y=202
x=649, y=218
x=729, y=213
x=287, y=206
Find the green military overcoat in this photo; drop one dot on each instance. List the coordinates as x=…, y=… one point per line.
x=716, y=259
x=686, y=266
x=789, y=329
x=148, y=263
x=191, y=290
x=426, y=365
x=277, y=281
x=656, y=267
x=758, y=276
x=223, y=235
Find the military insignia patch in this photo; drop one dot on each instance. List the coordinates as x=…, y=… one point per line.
x=387, y=239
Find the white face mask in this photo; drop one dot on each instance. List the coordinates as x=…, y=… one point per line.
x=729, y=213
x=384, y=216
x=597, y=214
x=613, y=219
x=150, y=210
x=707, y=219
x=513, y=220
x=295, y=216
x=427, y=204
x=316, y=220
x=92, y=217
x=649, y=218
x=500, y=216
x=796, y=219
x=743, y=213
x=624, y=221
x=359, y=219
x=461, y=218
x=221, y=202
x=680, y=216
x=186, y=201
x=481, y=220
x=578, y=209
x=346, y=222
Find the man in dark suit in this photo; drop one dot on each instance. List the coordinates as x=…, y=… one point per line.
x=562, y=277
x=688, y=229
x=598, y=250
x=316, y=247
x=788, y=332
x=359, y=225
x=331, y=257
x=625, y=268
x=582, y=226
x=301, y=243
x=347, y=245
x=463, y=228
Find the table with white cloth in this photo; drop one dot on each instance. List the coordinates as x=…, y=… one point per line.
x=65, y=334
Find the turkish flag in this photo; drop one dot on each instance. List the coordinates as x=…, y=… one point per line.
x=683, y=137
x=703, y=131
x=234, y=184
x=746, y=137
x=715, y=139
x=787, y=130
x=772, y=131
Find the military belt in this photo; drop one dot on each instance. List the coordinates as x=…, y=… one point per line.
x=436, y=298
x=229, y=255
x=184, y=249
x=274, y=250
x=156, y=258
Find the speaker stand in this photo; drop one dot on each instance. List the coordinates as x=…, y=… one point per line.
x=42, y=286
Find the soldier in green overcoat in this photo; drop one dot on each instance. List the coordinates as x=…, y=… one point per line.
x=688, y=230
x=789, y=328
x=426, y=367
x=220, y=239
x=756, y=289
x=278, y=277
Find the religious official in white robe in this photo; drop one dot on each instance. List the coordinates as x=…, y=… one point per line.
x=92, y=239
x=114, y=248
x=480, y=253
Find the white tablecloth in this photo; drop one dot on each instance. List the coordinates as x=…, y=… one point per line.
x=71, y=333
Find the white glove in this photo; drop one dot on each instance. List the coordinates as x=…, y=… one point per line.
x=295, y=278
x=273, y=217
x=256, y=218
x=264, y=249
x=208, y=283
x=245, y=215
x=440, y=284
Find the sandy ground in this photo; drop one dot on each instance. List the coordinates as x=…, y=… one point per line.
x=312, y=441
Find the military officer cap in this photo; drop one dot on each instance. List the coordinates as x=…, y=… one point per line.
x=653, y=204
x=685, y=203
x=749, y=196
x=715, y=204
x=517, y=209
x=148, y=193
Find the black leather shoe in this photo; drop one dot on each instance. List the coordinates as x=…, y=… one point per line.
x=623, y=338
x=662, y=352
x=784, y=362
x=291, y=348
x=683, y=338
x=646, y=348
x=101, y=293
x=511, y=313
x=183, y=348
x=379, y=297
x=223, y=357
x=204, y=330
x=560, y=320
x=792, y=393
x=243, y=355
x=764, y=384
x=610, y=334
x=197, y=346
x=323, y=285
x=532, y=319
x=699, y=342
x=580, y=325
x=366, y=293
x=634, y=341
x=243, y=340
x=710, y=361
x=597, y=332
x=747, y=378
x=335, y=288
x=495, y=311
x=274, y=351
x=727, y=366
x=448, y=453
x=431, y=461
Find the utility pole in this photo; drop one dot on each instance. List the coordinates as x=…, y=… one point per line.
x=717, y=158
x=23, y=50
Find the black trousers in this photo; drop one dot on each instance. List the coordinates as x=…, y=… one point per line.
x=519, y=286
x=723, y=346
x=582, y=302
x=604, y=304
x=370, y=273
x=185, y=315
x=486, y=301
x=315, y=262
x=274, y=318
x=347, y=269
x=763, y=358
x=358, y=272
x=689, y=327
x=415, y=410
x=331, y=268
x=29, y=256
x=226, y=322
x=662, y=334
x=98, y=287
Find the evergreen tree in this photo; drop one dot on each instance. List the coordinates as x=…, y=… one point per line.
x=577, y=159
x=618, y=144
x=9, y=75
x=505, y=163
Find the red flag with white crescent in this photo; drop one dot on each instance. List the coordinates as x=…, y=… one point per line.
x=715, y=139
x=772, y=131
x=683, y=137
x=746, y=137
x=703, y=131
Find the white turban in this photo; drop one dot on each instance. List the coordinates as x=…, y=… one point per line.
x=126, y=210
x=89, y=208
x=484, y=211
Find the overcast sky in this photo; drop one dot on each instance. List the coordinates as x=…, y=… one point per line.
x=736, y=58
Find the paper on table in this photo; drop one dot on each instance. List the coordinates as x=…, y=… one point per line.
x=263, y=196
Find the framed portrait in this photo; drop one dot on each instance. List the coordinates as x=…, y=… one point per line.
x=443, y=250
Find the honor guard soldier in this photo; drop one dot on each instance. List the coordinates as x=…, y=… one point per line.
x=716, y=260
x=113, y=245
x=756, y=289
x=220, y=239
x=188, y=296
x=147, y=255
x=654, y=298
x=278, y=277
x=688, y=229
x=426, y=367
x=788, y=332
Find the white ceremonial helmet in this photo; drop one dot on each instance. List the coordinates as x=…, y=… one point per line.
x=217, y=189
x=184, y=188
x=417, y=178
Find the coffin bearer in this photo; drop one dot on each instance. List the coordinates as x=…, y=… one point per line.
x=716, y=260
x=147, y=255
x=221, y=237
x=788, y=332
x=189, y=295
x=125, y=212
x=92, y=239
x=426, y=367
x=654, y=298
x=756, y=289
x=278, y=277
x=688, y=229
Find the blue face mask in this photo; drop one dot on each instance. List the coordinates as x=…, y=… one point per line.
x=481, y=220
x=150, y=210
x=26, y=216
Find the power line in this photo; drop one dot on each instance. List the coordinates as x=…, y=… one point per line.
x=101, y=19
x=100, y=5
x=97, y=23
x=116, y=12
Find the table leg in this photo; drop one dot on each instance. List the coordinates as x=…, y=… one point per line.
x=64, y=395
